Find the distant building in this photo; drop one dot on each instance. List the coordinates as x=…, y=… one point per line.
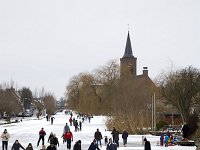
x=128, y=71
x=60, y=104
x=145, y=87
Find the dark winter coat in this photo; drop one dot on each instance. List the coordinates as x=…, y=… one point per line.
x=124, y=135
x=17, y=146
x=147, y=145
x=77, y=145
x=111, y=146
x=29, y=147
x=113, y=133
x=93, y=146
x=55, y=141
x=117, y=136
x=98, y=135
x=76, y=123
x=52, y=118
x=50, y=137
x=185, y=131
x=51, y=147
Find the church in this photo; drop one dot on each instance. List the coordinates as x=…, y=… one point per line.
x=145, y=87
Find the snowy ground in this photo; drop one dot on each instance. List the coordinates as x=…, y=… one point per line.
x=27, y=132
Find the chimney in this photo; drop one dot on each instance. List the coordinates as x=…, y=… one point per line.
x=145, y=71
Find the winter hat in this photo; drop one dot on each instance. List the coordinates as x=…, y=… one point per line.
x=145, y=139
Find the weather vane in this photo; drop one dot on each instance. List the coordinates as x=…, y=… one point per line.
x=128, y=27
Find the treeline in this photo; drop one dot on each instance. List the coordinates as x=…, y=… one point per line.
x=14, y=101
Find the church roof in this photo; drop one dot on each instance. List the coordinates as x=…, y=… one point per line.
x=128, y=50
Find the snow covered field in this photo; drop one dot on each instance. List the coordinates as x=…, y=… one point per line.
x=27, y=132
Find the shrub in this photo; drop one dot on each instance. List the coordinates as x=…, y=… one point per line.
x=161, y=124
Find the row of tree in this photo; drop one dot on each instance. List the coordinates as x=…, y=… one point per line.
x=13, y=102
x=103, y=92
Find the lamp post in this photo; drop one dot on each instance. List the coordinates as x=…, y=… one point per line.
x=153, y=112
x=149, y=106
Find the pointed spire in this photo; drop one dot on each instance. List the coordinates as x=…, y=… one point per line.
x=128, y=51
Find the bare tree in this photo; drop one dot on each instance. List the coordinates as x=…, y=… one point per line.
x=10, y=103
x=39, y=105
x=108, y=74
x=72, y=92
x=49, y=103
x=90, y=93
x=38, y=102
x=181, y=89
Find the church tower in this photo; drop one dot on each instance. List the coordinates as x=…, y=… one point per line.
x=128, y=62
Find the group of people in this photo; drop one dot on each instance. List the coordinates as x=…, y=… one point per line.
x=53, y=140
x=115, y=135
x=16, y=146
x=77, y=125
x=111, y=143
x=67, y=136
x=50, y=118
x=170, y=139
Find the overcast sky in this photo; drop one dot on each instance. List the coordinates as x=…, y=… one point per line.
x=43, y=43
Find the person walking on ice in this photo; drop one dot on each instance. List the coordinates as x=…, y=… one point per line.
x=5, y=136
x=124, y=137
x=147, y=145
x=98, y=137
x=52, y=119
x=29, y=147
x=42, y=134
x=66, y=128
x=17, y=146
x=69, y=138
x=94, y=146
x=77, y=145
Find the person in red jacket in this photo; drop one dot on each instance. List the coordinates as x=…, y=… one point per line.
x=69, y=137
x=70, y=121
x=42, y=133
